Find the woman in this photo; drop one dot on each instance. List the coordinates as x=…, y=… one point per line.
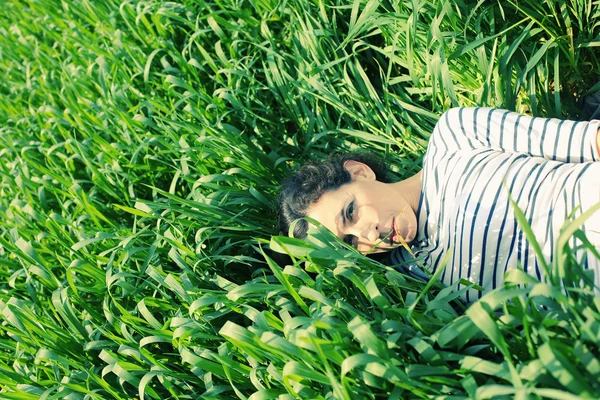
x=477, y=159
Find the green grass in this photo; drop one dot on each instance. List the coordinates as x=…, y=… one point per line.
x=142, y=144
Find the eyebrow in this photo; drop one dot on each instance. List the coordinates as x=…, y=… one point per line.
x=343, y=216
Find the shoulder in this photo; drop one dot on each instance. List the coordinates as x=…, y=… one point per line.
x=469, y=121
x=449, y=128
x=452, y=119
x=458, y=115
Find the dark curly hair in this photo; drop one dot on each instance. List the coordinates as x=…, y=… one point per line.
x=306, y=186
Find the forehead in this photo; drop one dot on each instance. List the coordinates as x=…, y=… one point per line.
x=327, y=210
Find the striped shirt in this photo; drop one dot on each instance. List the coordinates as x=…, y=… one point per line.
x=479, y=157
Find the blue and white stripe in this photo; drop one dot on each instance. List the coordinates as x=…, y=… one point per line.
x=476, y=159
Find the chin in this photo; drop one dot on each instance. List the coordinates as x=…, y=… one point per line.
x=412, y=234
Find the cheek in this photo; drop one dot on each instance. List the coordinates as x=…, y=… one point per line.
x=366, y=248
x=370, y=215
x=381, y=212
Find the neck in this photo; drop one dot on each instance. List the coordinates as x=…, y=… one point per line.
x=410, y=189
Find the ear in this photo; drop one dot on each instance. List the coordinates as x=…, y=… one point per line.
x=359, y=170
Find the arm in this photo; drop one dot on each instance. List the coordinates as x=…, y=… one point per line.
x=506, y=131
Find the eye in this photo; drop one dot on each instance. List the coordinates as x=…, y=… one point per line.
x=351, y=240
x=350, y=211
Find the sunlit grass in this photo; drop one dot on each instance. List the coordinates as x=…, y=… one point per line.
x=142, y=144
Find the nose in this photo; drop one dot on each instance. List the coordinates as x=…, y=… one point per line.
x=369, y=230
x=366, y=224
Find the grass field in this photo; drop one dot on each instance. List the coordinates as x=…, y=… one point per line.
x=141, y=147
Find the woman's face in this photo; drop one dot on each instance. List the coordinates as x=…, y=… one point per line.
x=372, y=216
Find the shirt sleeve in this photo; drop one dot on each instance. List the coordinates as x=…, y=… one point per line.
x=511, y=132
x=406, y=264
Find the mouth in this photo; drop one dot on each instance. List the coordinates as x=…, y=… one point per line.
x=394, y=233
x=399, y=235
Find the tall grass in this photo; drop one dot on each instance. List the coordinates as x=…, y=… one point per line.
x=142, y=144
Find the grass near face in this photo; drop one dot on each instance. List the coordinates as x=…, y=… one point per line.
x=141, y=147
